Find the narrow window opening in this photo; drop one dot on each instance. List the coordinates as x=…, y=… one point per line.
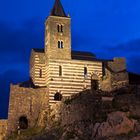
x=57, y=97
x=60, y=70
x=59, y=45
x=85, y=71
x=61, y=28
x=40, y=73
x=58, y=28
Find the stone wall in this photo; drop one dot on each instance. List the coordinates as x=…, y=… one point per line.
x=116, y=75
x=27, y=102
x=72, y=80
x=38, y=68
x=3, y=129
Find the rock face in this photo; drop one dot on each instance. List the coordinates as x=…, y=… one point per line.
x=136, y=138
x=117, y=123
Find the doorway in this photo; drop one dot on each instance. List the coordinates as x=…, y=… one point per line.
x=94, y=84
x=23, y=122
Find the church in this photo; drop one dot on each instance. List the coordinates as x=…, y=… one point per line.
x=57, y=73
x=65, y=72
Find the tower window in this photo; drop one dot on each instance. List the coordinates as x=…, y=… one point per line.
x=60, y=44
x=60, y=28
x=85, y=71
x=60, y=70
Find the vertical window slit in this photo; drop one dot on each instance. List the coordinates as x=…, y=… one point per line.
x=61, y=28
x=58, y=28
x=60, y=70
x=85, y=71
x=59, y=45
x=40, y=73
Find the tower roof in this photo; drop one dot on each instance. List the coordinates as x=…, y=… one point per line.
x=58, y=9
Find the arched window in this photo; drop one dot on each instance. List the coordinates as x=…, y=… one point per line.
x=61, y=28
x=85, y=71
x=58, y=28
x=60, y=70
x=59, y=45
x=23, y=122
x=57, y=96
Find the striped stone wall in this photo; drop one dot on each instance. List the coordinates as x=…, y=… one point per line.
x=38, y=69
x=72, y=79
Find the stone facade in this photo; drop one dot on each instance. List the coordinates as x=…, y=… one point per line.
x=115, y=76
x=57, y=72
x=52, y=36
x=26, y=102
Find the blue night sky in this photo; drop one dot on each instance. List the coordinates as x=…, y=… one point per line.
x=106, y=27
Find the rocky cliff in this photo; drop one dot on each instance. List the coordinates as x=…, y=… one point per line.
x=92, y=115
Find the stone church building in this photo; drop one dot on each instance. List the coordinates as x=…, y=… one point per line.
x=57, y=72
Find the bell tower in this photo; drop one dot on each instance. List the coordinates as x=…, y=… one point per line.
x=58, y=33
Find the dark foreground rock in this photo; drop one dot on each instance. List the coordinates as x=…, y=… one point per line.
x=117, y=123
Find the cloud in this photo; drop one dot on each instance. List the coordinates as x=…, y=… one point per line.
x=130, y=50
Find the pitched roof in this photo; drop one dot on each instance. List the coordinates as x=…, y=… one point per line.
x=38, y=50
x=58, y=9
x=78, y=55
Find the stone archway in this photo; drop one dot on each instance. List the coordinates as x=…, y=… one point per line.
x=23, y=122
x=58, y=96
x=94, y=82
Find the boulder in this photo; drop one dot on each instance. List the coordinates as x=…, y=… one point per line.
x=117, y=123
